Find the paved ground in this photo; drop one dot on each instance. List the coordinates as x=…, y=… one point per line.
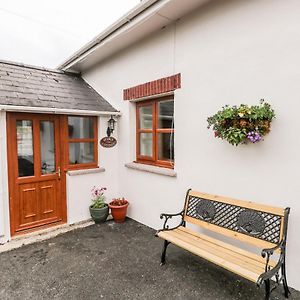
x=116, y=261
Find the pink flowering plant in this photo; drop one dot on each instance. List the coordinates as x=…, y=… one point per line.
x=98, y=197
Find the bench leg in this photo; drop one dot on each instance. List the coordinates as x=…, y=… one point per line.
x=284, y=281
x=163, y=254
x=268, y=289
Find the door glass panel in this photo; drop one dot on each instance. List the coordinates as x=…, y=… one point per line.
x=80, y=153
x=166, y=114
x=146, y=116
x=166, y=146
x=81, y=127
x=25, y=148
x=146, y=143
x=47, y=147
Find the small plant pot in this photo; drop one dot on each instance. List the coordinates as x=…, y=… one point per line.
x=119, y=212
x=99, y=215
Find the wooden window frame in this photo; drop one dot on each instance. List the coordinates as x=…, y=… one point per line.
x=67, y=141
x=155, y=131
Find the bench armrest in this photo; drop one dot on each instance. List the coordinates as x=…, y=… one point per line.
x=167, y=217
x=270, y=272
x=269, y=251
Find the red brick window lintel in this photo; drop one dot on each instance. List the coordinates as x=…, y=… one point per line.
x=156, y=87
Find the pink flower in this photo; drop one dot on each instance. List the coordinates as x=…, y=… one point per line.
x=98, y=192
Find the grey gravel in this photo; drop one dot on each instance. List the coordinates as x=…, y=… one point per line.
x=116, y=261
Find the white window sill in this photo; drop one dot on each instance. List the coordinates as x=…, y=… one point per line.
x=151, y=169
x=85, y=171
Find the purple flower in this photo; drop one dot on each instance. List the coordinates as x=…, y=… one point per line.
x=254, y=136
x=98, y=192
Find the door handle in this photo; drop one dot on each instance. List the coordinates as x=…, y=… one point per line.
x=58, y=173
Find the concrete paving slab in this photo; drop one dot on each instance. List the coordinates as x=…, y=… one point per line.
x=41, y=235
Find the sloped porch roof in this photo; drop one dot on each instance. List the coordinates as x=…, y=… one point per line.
x=30, y=86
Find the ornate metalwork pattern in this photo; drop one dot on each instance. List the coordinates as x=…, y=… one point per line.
x=251, y=222
x=206, y=210
x=262, y=225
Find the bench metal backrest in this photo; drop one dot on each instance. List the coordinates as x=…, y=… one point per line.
x=257, y=224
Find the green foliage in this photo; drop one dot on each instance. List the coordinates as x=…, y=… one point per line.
x=99, y=203
x=98, y=197
x=239, y=124
x=234, y=135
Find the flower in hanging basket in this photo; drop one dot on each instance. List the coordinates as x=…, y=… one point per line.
x=242, y=124
x=254, y=136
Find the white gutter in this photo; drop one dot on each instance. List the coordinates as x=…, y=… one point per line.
x=48, y=110
x=140, y=8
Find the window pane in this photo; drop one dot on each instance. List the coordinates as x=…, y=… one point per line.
x=81, y=127
x=166, y=114
x=146, y=144
x=166, y=146
x=47, y=147
x=146, y=116
x=25, y=148
x=80, y=153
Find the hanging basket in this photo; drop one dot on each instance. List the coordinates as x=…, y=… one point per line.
x=242, y=124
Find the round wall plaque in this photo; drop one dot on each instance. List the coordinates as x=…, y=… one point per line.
x=108, y=142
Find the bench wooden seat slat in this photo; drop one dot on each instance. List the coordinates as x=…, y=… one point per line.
x=226, y=255
x=217, y=257
x=227, y=247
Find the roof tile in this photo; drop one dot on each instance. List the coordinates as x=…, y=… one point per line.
x=23, y=85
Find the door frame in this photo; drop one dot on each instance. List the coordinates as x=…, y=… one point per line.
x=11, y=174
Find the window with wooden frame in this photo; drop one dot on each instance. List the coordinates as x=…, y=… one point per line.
x=155, y=132
x=81, y=145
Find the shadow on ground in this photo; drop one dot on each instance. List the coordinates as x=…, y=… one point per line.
x=116, y=261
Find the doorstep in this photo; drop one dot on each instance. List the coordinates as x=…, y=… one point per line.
x=44, y=234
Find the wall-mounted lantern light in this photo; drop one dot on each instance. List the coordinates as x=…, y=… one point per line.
x=111, y=126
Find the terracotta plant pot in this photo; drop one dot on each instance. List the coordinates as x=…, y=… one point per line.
x=119, y=212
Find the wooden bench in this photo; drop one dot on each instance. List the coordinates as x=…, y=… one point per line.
x=260, y=225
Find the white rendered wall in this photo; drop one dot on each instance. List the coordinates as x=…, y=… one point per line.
x=4, y=199
x=79, y=186
x=228, y=52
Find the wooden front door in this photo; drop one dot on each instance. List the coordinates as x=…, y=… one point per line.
x=35, y=178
